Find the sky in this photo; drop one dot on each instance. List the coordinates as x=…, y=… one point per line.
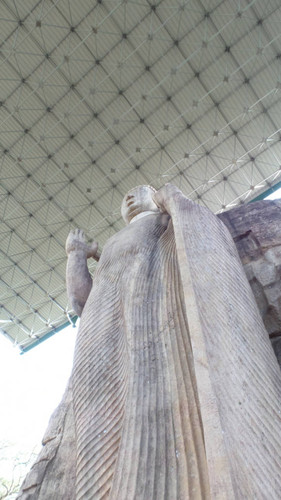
x=31, y=386
x=274, y=196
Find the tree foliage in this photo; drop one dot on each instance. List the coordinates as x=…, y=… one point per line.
x=14, y=466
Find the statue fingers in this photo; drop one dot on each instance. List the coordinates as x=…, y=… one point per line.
x=79, y=234
x=75, y=241
x=69, y=239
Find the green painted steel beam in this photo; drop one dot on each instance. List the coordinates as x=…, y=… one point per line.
x=266, y=193
x=49, y=334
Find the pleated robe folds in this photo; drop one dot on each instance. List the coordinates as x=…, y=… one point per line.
x=176, y=389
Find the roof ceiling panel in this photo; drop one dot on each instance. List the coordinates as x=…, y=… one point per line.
x=96, y=97
x=11, y=174
x=12, y=244
x=135, y=178
x=129, y=14
x=269, y=154
x=49, y=175
x=177, y=17
x=268, y=12
x=185, y=147
x=265, y=83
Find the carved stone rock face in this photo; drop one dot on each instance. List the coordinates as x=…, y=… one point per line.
x=136, y=201
x=256, y=231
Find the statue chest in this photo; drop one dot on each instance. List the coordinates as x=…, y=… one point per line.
x=132, y=246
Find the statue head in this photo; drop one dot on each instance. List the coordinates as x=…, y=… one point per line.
x=136, y=201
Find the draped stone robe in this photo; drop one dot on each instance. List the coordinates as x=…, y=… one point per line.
x=139, y=395
x=176, y=389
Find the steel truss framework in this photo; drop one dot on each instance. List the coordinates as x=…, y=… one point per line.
x=97, y=97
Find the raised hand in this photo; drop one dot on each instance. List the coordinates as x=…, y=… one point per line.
x=76, y=242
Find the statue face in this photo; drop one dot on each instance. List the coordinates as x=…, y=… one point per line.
x=136, y=201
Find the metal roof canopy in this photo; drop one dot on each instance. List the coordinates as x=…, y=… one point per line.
x=97, y=97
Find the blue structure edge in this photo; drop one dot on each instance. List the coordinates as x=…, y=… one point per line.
x=49, y=334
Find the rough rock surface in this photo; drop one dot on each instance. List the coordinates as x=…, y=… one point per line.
x=256, y=230
x=57, y=459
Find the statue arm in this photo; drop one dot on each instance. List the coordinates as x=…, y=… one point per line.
x=78, y=278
